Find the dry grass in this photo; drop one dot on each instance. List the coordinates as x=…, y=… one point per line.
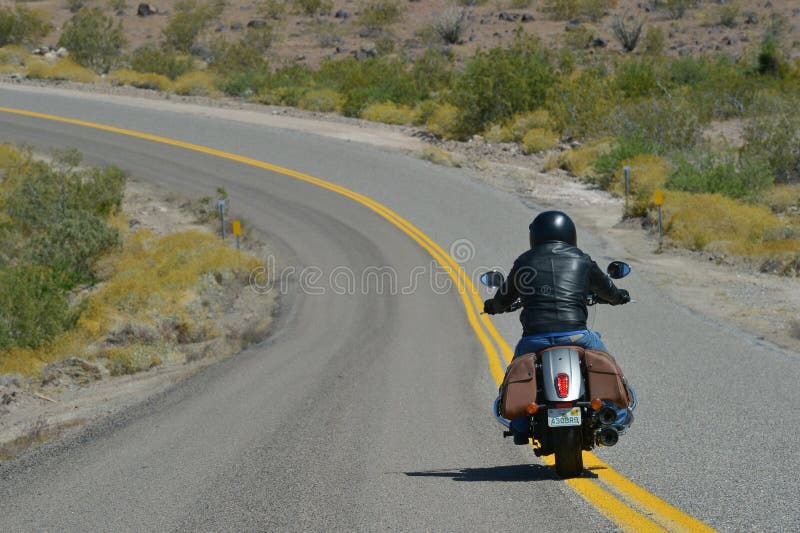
x=389, y=113
x=521, y=124
x=497, y=133
x=579, y=161
x=539, y=140
x=197, y=83
x=14, y=55
x=444, y=121
x=154, y=283
x=781, y=198
x=437, y=156
x=720, y=224
x=64, y=69
x=322, y=100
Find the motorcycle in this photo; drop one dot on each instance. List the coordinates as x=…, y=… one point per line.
x=567, y=406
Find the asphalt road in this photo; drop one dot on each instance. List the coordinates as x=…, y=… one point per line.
x=370, y=410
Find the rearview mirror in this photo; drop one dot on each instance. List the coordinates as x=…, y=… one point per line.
x=618, y=269
x=492, y=278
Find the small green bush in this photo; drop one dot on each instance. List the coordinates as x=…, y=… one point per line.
x=148, y=58
x=567, y=9
x=190, y=17
x=451, y=24
x=323, y=100
x=93, y=39
x=636, y=78
x=669, y=123
x=654, y=41
x=500, y=83
x=388, y=113
x=539, y=140
x=20, y=25
x=677, y=8
x=720, y=173
x=627, y=30
x=312, y=7
x=377, y=14
x=610, y=162
x=444, y=122
x=33, y=309
x=775, y=139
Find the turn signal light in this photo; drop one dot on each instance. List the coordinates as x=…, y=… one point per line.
x=532, y=408
x=562, y=385
x=596, y=404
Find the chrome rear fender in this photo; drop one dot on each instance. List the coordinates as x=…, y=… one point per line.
x=562, y=360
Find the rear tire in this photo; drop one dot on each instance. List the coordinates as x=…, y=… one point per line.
x=569, y=451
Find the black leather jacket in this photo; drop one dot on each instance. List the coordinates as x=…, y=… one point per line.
x=553, y=280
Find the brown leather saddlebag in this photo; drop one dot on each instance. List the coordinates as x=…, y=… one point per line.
x=519, y=387
x=605, y=378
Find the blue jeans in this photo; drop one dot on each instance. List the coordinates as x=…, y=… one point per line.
x=584, y=338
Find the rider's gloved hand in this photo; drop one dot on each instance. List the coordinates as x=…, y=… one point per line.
x=625, y=296
x=488, y=307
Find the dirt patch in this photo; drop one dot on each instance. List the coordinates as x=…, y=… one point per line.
x=68, y=393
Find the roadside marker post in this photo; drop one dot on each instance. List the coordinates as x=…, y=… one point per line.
x=658, y=199
x=626, y=171
x=221, y=207
x=237, y=230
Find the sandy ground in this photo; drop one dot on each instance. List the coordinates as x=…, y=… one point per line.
x=765, y=305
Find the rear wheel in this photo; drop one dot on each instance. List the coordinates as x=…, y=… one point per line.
x=568, y=448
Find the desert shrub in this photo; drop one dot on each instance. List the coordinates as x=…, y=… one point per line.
x=190, y=17
x=636, y=78
x=65, y=69
x=666, y=123
x=142, y=80
x=580, y=103
x=497, y=133
x=72, y=246
x=654, y=41
x=676, y=9
x=148, y=58
x=770, y=59
x=716, y=222
x=567, y=9
x=579, y=37
x=775, y=138
x=727, y=91
x=377, y=14
x=13, y=55
x=32, y=307
x=727, y=14
x=312, y=7
x=272, y=9
x=500, y=83
x=688, y=70
x=520, y=4
x=471, y=3
x=627, y=30
x=451, y=24
x=124, y=360
x=93, y=39
x=539, y=140
x=522, y=123
x=432, y=72
x=782, y=198
x=20, y=25
x=198, y=83
x=324, y=100
x=720, y=173
x=608, y=164
x=327, y=33
x=376, y=79
x=580, y=161
x=445, y=121
x=648, y=173
x=388, y=113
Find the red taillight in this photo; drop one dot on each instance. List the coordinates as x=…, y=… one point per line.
x=562, y=385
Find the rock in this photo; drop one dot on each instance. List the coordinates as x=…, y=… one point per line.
x=120, y=13
x=237, y=26
x=508, y=17
x=342, y=49
x=219, y=29
x=341, y=14
x=527, y=17
x=751, y=18
x=145, y=10
x=598, y=43
x=257, y=23
x=768, y=4
x=75, y=7
x=8, y=397
x=201, y=51
x=363, y=54
x=731, y=42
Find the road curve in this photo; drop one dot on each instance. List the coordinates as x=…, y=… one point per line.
x=370, y=411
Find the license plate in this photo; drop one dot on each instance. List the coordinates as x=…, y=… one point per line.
x=569, y=416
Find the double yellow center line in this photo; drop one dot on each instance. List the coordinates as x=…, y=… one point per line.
x=624, y=503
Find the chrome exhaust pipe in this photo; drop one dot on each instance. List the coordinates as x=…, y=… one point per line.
x=606, y=415
x=607, y=436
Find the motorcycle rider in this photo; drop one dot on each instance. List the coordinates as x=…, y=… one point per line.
x=553, y=279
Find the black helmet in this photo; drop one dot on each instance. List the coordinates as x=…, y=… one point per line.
x=552, y=226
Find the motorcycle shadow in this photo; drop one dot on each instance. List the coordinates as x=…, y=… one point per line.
x=506, y=473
